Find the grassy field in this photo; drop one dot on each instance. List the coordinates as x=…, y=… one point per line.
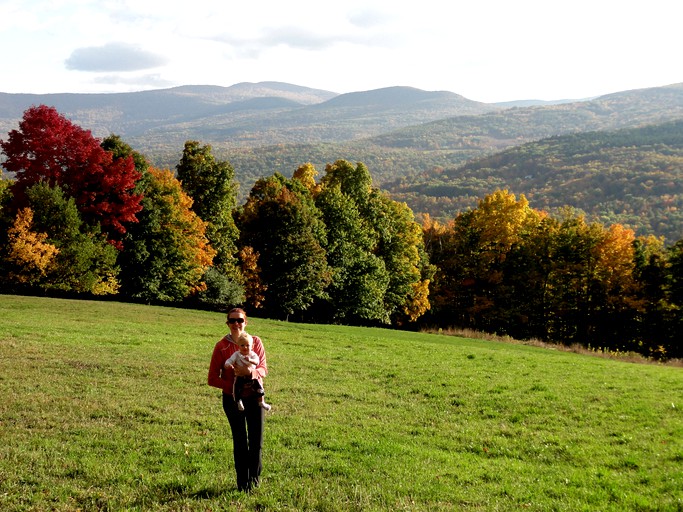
x=104, y=406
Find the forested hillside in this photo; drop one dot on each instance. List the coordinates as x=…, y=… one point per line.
x=630, y=176
x=410, y=160
x=412, y=141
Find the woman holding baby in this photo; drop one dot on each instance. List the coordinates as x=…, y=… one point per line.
x=246, y=422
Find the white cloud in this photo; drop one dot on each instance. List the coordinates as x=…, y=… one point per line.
x=115, y=56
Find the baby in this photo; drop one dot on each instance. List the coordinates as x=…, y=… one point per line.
x=245, y=357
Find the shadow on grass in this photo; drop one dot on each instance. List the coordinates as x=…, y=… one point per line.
x=210, y=492
x=175, y=491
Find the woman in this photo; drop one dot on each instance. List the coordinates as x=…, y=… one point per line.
x=247, y=425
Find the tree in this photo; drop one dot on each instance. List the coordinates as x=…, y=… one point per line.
x=5, y=192
x=306, y=175
x=401, y=247
x=167, y=252
x=210, y=183
x=281, y=224
x=120, y=150
x=85, y=261
x=359, y=277
x=254, y=289
x=354, y=182
x=674, y=292
x=6, y=215
x=675, y=274
x=473, y=286
x=376, y=247
x=49, y=148
x=27, y=253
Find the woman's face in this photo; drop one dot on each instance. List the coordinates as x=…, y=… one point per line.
x=237, y=323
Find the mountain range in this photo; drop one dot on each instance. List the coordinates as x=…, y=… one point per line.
x=405, y=136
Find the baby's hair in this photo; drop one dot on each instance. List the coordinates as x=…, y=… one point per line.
x=245, y=336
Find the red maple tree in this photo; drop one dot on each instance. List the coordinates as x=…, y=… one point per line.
x=48, y=147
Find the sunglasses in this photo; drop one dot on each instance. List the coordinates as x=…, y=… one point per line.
x=235, y=320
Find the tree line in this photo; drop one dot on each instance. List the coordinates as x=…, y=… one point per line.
x=90, y=217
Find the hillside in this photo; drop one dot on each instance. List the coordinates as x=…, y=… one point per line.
x=243, y=115
x=132, y=115
x=630, y=176
x=454, y=140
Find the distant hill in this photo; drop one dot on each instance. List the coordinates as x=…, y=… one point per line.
x=133, y=114
x=413, y=153
x=628, y=176
x=536, y=103
x=243, y=115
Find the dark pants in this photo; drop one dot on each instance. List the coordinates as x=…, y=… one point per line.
x=246, y=382
x=247, y=439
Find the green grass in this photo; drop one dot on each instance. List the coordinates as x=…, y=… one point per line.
x=104, y=406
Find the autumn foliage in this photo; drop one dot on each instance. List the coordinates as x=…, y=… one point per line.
x=28, y=252
x=49, y=148
x=89, y=218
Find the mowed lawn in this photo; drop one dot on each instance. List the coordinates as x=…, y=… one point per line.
x=104, y=406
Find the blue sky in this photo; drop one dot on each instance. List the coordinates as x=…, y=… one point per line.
x=485, y=50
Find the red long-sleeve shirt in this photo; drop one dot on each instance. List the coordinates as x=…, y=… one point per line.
x=223, y=378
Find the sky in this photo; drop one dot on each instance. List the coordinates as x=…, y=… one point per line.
x=484, y=50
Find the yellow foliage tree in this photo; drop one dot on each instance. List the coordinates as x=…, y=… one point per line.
x=501, y=220
x=417, y=303
x=615, y=266
x=254, y=289
x=306, y=175
x=27, y=250
x=186, y=229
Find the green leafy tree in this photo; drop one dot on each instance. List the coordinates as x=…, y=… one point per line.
x=674, y=317
x=400, y=245
x=658, y=324
x=167, y=253
x=354, y=182
x=387, y=232
x=675, y=274
x=85, y=261
x=281, y=224
x=210, y=183
x=7, y=217
x=359, y=277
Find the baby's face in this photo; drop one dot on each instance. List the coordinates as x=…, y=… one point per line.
x=245, y=347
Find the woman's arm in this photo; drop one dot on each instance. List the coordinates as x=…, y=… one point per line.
x=215, y=369
x=261, y=369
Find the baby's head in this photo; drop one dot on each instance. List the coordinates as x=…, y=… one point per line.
x=245, y=342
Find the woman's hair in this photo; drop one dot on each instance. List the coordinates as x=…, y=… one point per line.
x=238, y=310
